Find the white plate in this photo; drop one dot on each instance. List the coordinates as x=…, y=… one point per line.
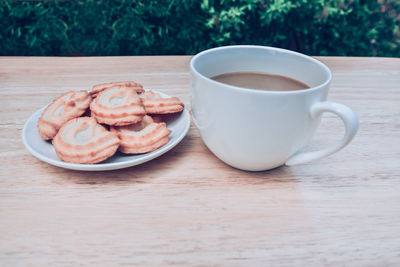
x=178, y=124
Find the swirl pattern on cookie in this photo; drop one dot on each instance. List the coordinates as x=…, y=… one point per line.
x=67, y=106
x=129, y=84
x=83, y=140
x=117, y=105
x=155, y=104
x=142, y=137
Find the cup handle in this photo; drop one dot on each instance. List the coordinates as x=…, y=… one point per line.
x=350, y=121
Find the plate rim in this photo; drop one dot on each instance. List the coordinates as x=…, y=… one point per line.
x=106, y=166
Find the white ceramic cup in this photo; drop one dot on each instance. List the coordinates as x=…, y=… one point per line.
x=259, y=130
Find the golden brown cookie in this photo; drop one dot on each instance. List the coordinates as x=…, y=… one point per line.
x=157, y=119
x=129, y=84
x=142, y=137
x=83, y=140
x=117, y=105
x=155, y=104
x=65, y=107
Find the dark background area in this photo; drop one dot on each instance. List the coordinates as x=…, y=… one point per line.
x=112, y=28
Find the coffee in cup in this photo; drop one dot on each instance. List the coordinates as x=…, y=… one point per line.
x=252, y=125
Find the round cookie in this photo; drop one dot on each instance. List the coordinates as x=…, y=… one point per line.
x=83, y=140
x=155, y=104
x=142, y=137
x=117, y=105
x=129, y=84
x=65, y=107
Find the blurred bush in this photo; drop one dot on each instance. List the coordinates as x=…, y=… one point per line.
x=147, y=27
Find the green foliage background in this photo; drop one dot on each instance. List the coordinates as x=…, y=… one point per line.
x=147, y=27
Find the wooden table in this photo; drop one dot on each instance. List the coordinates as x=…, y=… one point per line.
x=189, y=208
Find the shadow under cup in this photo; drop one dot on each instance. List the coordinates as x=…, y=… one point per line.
x=255, y=129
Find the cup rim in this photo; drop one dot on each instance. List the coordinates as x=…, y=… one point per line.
x=314, y=88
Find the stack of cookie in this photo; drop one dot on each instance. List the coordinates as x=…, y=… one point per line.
x=89, y=127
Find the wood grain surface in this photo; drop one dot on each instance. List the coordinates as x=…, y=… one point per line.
x=188, y=208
